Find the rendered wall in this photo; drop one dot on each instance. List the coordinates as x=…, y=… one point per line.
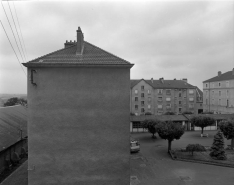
x=78, y=126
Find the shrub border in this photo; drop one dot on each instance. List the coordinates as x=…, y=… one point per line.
x=200, y=161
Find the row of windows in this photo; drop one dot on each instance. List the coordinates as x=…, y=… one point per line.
x=168, y=105
x=160, y=91
x=218, y=84
x=219, y=102
x=220, y=93
x=161, y=99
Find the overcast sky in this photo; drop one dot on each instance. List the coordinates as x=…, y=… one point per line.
x=170, y=39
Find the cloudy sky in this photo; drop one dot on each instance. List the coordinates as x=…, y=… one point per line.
x=170, y=39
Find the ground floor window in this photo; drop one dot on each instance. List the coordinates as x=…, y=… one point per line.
x=137, y=125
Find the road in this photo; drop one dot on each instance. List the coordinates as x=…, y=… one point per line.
x=153, y=166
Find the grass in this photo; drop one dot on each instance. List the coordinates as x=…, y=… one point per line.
x=204, y=156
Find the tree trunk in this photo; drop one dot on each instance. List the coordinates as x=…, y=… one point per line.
x=169, y=145
x=202, y=131
x=232, y=143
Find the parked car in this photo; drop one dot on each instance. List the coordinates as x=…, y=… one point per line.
x=134, y=146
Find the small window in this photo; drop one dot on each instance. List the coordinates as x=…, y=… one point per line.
x=206, y=85
x=191, y=91
x=149, y=106
x=149, y=99
x=227, y=93
x=212, y=93
x=219, y=101
x=227, y=103
x=180, y=110
x=219, y=93
x=159, y=98
x=168, y=99
x=142, y=87
x=149, y=91
x=142, y=110
x=212, y=101
x=219, y=84
x=136, y=107
x=180, y=95
x=160, y=91
x=168, y=91
x=142, y=95
x=168, y=105
x=180, y=102
x=136, y=98
x=142, y=103
x=191, y=99
x=159, y=106
x=136, y=91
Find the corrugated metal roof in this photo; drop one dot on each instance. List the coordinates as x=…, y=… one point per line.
x=12, y=119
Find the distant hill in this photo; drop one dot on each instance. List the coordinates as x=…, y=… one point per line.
x=12, y=119
x=5, y=97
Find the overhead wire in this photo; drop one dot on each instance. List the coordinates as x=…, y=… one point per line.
x=26, y=53
x=12, y=31
x=16, y=31
x=13, y=48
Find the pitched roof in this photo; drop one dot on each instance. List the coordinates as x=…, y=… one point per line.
x=92, y=55
x=225, y=76
x=200, y=93
x=167, y=84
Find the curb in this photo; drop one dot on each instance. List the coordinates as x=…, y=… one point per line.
x=201, y=161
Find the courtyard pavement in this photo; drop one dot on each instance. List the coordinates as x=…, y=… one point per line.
x=153, y=166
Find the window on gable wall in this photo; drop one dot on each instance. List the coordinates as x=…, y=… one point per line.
x=149, y=92
x=136, y=98
x=136, y=91
x=219, y=84
x=142, y=87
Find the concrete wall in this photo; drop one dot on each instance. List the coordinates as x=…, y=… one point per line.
x=78, y=126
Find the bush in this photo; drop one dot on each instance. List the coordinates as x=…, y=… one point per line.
x=195, y=148
x=217, y=149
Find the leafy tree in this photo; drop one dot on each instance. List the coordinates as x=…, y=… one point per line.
x=202, y=121
x=15, y=101
x=217, y=149
x=169, y=113
x=227, y=127
x=152, y=126
x=195, y=148
x=170, y=131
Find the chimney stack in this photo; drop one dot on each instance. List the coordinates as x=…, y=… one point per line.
x=219, y=73
x=185, y=80
x=80, y=42
x=161, y=80
x=152, y=80
x=69, y=43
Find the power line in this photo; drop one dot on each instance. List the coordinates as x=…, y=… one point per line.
x=21, y=32
x=12, y=31
x=16, y=30
x=13, y=49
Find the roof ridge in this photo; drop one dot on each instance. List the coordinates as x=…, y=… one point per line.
x=107, y=52
x=51, y=53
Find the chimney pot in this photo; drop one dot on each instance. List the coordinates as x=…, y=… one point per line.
x=185, y=80
x=152, y=80
x=219, y=73
x=80, y=42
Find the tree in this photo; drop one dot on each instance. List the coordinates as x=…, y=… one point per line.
x=227, y=127
x=195, y=148
x=217, y=149
x=152, y=126
x=15, y=101
x=202, y=121
x=169, y=113
x=170, y=131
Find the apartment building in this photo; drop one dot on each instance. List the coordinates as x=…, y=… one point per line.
x=160, y=96
x=219, y=93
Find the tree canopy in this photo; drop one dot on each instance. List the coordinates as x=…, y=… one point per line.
x=169, y=113
x=202, y=122
x=227, y=127
x=151, y=125
x=170, y=131
x=15, y=101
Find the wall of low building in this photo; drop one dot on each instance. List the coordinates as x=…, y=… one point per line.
x=78, y=126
